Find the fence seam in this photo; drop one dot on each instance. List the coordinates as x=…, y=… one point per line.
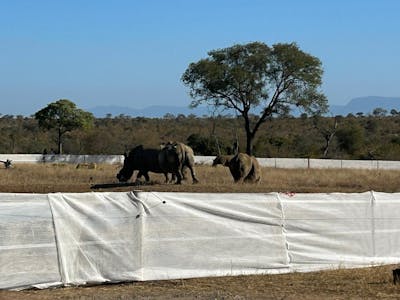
x=142, y=211
x=373, y=202
x=61, y=270
x=284, y=235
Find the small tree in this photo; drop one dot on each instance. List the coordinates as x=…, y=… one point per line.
x=379, y=112
x=257, y=81
x=64, y=116
x=327, y=130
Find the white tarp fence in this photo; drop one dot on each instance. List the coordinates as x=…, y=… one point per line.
x=64, y=158
x=285, y=163
x=78, y=238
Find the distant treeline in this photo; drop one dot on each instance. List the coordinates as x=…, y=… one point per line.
x=350, y=137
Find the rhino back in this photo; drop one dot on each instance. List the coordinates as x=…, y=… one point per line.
x=147, y=160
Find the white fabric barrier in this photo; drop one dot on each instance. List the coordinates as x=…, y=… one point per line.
x=98, y=237
x=195, y=235
x=287, y=163
x=78, y=238
x=64, y=158
x=28, y=252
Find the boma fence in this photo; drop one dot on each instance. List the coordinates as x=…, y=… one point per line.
x=285, y=163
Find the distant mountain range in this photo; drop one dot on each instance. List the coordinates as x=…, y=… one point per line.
x=156, y=111
x=366, y=105
x=362, y=104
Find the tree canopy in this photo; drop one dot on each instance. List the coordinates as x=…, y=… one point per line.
x=64, y=116
x=258, y=82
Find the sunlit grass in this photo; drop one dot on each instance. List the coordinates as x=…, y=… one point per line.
x=368, y=283
x=45, y=178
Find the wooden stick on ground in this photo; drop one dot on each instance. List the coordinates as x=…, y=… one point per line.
x=112, y=185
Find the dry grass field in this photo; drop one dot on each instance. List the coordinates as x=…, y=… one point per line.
x=49, y=178
x=367, y=283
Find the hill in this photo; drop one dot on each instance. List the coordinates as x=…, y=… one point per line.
x=366, y=105
x=155, y=111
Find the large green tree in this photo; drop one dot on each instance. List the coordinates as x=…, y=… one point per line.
x=64, y=116
x=258, y=82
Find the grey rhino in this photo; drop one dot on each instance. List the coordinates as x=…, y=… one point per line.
x=175, y=157
x=243, y=167
x=143, y=160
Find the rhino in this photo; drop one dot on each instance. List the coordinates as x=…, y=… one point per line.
x=175, y=157
x=143, y=160
x=243, y=167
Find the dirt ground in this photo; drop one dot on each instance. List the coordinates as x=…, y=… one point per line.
x=365, y=283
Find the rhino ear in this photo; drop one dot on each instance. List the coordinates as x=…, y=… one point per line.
x=162, y=146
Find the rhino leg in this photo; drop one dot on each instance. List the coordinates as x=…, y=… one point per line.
x=178, y=175
x=255, y=172
x=254, y=176
x=167, y=180
x=192, y=172
x=143, y=173
x=238, y=179
x=184, y=167
x=195, y=180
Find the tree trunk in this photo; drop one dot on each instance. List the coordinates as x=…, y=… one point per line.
x=59, y=142
x=329, y=136
x=249, y=142
x=328, y=139
x=249, y=135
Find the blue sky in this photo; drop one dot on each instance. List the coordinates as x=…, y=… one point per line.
x=133, y=53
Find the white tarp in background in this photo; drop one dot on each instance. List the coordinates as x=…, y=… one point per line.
x=78, y=238
x=285, y=163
